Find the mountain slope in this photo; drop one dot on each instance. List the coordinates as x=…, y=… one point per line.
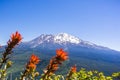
x=74, y=45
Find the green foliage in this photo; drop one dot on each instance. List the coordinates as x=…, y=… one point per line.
x=85, y=75
x=90, y=75
x=3, y=70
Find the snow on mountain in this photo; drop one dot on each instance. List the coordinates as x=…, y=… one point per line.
x=41, y=39
x=61, y=38
x=64, y=37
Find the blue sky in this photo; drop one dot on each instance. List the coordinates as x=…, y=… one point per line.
x=97, y=21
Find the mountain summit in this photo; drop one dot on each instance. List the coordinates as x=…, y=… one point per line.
x=64, y=37
x=61, y=40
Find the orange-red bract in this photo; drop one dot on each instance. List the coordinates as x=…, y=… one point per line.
x=73, y=69
x=31, y=66
x=57, y=60
x=61, y=55
x=34, y=59
x=14, y=40
x=16, y=36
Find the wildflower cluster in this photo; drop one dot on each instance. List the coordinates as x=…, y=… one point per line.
x=15, y=40
x=57, y=60
x=4, y=62
x=30, y=72
x=72, y=71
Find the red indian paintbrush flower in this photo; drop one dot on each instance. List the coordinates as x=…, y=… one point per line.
x=57, y=60
x=73, y=69
x=15, y=39
x=34, y=59
x=31, y=66
x=16, y=36
x=32, y=62
x=61, y=55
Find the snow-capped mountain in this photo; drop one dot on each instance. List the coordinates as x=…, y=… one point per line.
x=61, y=40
